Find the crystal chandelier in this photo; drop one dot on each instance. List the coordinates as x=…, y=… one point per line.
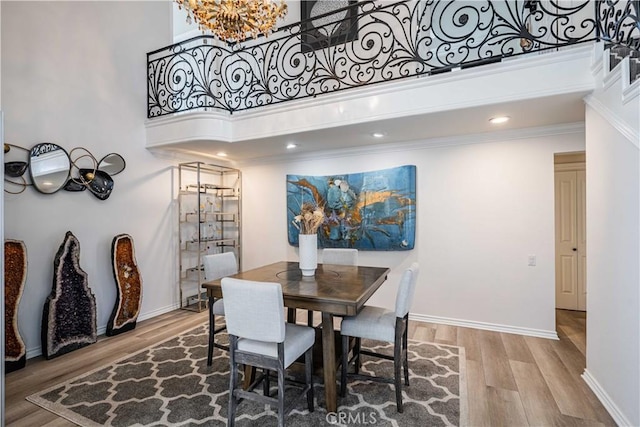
x=234, y=20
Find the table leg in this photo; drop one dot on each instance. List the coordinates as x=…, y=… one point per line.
x=249, y=376
x=329, y=362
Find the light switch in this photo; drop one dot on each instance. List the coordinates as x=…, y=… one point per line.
x=532, y=261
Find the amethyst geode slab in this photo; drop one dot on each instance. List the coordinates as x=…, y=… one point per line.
x=69, y=317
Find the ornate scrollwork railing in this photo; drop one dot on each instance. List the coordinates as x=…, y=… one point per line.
x=619, y=22
x=362, y=44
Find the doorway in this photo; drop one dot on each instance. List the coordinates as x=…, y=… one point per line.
x=570, y=231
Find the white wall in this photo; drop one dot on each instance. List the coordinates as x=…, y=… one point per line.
x=74, y=74
x=482, y=210
x=613, y=272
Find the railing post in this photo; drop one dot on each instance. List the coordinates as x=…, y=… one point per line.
x=596, y=13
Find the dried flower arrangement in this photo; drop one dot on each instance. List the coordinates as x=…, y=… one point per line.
x=310, y=219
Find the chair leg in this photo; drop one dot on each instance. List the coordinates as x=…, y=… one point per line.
x=397, y=365
x=281, y=396
x=212, y=331
x=345, y=365
x=266, y=383
x=357, y=356
x=233, y=381
x=405, y=352
x=281, y=370
x=308, y=372
x=291, y=315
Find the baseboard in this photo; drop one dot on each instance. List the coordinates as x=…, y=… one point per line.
x=158, y=312
x=539, y=333
x=34, y=352
x=604, y=398
x=37, y=351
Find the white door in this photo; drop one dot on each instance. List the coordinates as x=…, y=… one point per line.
x=582, y=239
x=570, y=207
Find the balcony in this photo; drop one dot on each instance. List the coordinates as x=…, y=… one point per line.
x=395, y=65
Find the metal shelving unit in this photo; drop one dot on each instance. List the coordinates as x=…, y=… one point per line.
x=210, y=207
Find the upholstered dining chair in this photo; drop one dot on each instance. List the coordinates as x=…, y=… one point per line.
x=217, y=266
x=339, y=256
x=380, y=324
x=260, y=337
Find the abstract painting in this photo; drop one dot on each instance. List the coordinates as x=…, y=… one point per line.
x=371, y=211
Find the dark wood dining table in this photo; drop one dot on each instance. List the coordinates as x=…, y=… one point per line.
x=334, y=290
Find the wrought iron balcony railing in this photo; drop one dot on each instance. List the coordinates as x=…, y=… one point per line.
x=371, y=42
x=619, y=22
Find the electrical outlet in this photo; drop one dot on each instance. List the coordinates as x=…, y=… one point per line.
x=531, y=261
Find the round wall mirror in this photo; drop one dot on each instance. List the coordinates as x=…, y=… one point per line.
x=112, y=163
x=49, y=166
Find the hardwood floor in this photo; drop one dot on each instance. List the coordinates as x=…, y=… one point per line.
x=511, y=380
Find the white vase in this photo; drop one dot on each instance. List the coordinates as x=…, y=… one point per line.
x=308, y=253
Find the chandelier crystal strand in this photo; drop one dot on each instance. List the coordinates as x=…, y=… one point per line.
x=234, y=20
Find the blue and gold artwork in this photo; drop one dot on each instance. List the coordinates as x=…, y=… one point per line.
x=371, y=211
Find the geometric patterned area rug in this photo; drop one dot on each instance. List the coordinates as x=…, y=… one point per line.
x=170, y=384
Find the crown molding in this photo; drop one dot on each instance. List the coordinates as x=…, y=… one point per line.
x=621, y=126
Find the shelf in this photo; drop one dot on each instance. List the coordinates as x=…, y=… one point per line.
x=193, y=251
x=210, y=213
x=204, y=189
x=206, y=217
x=197, y=302
x=208, y=195
x=207, y=240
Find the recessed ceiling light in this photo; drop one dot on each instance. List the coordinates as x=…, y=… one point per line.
x=378, y=134
x=221, y=154
x=291, y=146
x=499, y=120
